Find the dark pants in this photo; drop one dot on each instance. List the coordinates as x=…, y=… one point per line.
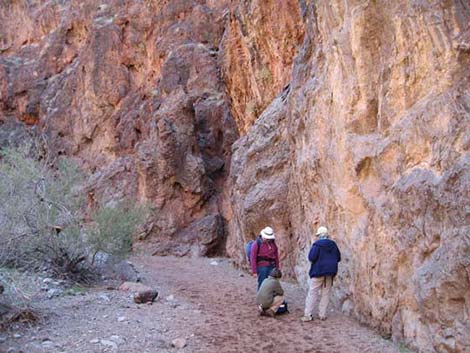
x=263, y=273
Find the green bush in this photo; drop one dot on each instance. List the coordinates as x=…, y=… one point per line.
x=113, y=227
x=42, y=216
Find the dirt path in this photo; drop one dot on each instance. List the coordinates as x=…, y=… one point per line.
x=203, y=304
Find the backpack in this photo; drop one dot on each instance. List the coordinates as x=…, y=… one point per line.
x=248, y=247
x=283, y=308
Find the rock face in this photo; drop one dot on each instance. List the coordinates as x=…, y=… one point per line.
x=229, y=116
x=260, y=41
x=371, y=141
x=259, y=178
x=132, y=91
x=380, y=109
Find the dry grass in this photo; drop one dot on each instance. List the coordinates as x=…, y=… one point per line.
x=21, y=316
x=16, y=302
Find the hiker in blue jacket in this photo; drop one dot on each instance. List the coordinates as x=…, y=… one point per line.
x=324, y=256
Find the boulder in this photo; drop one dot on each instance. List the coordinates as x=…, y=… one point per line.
x=146, y=296
x=178, y=343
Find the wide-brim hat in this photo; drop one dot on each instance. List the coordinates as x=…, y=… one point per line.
x=268, y=233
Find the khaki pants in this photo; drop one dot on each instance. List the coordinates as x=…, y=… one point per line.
x=277, y=301
x=317, y=284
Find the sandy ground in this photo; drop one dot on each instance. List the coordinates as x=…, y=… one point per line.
x=206, y=306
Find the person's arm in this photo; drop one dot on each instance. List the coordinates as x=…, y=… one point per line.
x=253, y=257
x=278, y=289
x=313, y=254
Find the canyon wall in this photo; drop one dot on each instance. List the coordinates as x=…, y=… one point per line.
x=372, y=141
x=228, y=116
x=257, y=50
x=379, y=120
x=133, y=91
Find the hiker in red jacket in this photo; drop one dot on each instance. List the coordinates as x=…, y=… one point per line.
x=264, y=257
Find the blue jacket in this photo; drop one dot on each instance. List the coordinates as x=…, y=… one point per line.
x=324, y=256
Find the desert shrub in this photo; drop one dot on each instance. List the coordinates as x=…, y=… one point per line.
x=42, y=216
x=113, y=227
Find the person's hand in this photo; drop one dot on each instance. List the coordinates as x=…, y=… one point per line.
x=255, y=275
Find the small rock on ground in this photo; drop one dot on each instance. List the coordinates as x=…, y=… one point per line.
x=178, y=343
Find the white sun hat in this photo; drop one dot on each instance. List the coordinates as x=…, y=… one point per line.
x=268, y=233
x=322, y=230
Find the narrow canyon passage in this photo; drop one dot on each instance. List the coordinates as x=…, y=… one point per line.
x=226, y=116
x=226, y=319
x=205, y=303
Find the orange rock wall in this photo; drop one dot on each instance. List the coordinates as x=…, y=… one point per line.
x=260, y=41
x=372, y=141
x=380, y=110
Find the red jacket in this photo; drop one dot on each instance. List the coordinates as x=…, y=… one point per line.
x=267, y=255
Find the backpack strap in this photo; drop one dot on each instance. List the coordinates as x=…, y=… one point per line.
x=258, y=243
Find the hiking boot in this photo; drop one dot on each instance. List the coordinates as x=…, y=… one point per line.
x=260, y=308
x=269, y=313
x=306, y=318
x=322, y=318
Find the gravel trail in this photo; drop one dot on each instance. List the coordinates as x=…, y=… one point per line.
x=203, y=306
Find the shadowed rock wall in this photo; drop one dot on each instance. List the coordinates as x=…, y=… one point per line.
x=143, y=94
x=133, y=90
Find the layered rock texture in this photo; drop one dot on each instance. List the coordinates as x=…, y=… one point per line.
x=384, y=89
x=229, y=116
x=259, y=44
x=373, y=141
